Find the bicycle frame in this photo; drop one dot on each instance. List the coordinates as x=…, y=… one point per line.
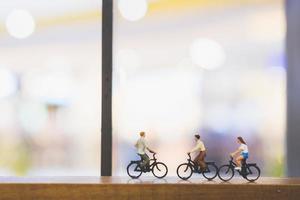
x=152, y=161
x=192, y=164
x=232, y=163
x=244, y=167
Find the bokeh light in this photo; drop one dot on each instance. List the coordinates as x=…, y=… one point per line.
x=20, y=24
x=133, y=10
x=207, y=53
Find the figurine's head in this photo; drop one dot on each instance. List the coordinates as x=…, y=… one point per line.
x=240, y=140
x=197, y=137
x=142, y=134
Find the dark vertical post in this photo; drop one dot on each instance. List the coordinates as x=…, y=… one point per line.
x=293, y=87
x=106, y=120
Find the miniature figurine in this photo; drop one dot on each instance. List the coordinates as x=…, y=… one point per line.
x=242, y=153
x=136, y=167
x=249, y=171
x=199, y=159
x=141, y=150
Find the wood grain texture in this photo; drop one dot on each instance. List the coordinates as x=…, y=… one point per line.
x=146, y=189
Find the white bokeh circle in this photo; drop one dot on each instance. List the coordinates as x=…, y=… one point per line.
x=20, y=23
x=207, y=53
x=133, y=10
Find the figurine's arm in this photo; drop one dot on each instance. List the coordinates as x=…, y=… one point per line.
x=151, y=151
x=196, y=148
x=238, y=151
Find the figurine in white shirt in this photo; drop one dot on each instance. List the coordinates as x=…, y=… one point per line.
x=201, y=150
x=241, y=153
x=141, y=149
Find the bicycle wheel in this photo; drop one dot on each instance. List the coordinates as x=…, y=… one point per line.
x=225, y=172
x=210, y=172
x=184, y=171
x=134, y=170
x=253, y=173
x=159, y=170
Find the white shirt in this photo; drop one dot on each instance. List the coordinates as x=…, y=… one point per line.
x=244, y=148
x=141, y=146
x=199, y=146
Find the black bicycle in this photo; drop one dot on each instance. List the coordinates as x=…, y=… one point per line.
x=158, y=169
x=185, y=170
x=249, y=171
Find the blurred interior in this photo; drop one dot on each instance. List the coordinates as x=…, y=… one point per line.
x=50, y=87
x=180, y=67
x=210, y=67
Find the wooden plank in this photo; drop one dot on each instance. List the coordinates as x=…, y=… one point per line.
x=147, y=189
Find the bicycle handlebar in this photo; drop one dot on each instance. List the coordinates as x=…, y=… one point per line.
x=153, y=154
x=189, y=156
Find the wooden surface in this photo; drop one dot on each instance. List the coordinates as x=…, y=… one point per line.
x=145, y=188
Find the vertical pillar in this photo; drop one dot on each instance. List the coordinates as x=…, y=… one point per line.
x=106, y=113
x=293, y=87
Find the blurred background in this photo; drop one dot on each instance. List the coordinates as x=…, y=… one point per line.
x=50, y=80
x=210, y=67
x=180, y=67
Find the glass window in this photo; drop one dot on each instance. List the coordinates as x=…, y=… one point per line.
x=50, y=58
x=210, y=67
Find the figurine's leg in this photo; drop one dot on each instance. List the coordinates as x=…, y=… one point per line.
x=239, y=160
x=196, y=161
x=144, y=158
x=201, y=161
x=147, y=160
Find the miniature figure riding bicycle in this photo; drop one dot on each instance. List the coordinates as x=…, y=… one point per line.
x=249, y=171
x=185, y=170
x=158, y=169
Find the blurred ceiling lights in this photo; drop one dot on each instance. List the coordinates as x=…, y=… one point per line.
x=57, y=12
x=20, y=24
x=133, y=10
x=207, y=53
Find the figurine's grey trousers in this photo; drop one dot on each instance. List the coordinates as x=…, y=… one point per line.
x=145, y=159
